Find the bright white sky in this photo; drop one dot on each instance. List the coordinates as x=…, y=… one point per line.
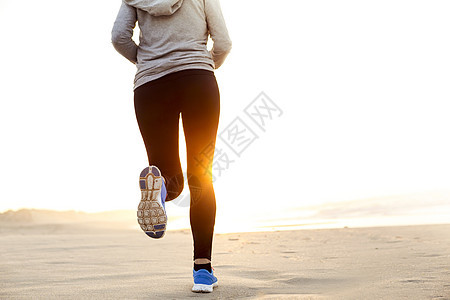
x=363, y=85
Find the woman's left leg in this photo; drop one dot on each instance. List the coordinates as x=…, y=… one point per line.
x=157, y=113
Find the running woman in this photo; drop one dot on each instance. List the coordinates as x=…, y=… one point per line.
x=175, y=76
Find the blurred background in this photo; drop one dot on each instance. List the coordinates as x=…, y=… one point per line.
x=360, y=136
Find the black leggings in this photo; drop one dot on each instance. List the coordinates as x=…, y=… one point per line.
x=193, y=93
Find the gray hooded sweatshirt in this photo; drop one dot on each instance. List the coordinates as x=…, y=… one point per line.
x=173, y=36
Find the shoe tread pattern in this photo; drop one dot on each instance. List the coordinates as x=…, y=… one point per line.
x=150, y=214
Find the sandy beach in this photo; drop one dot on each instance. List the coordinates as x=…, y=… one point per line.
x=111, y=261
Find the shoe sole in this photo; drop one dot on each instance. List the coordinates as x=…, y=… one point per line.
x=151, y=215
x=204, y=288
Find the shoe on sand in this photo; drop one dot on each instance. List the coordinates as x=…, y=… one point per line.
x=204, y=281
x=151, y=214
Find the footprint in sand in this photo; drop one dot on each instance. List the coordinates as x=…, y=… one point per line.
x=431, y=255
x=289, y=251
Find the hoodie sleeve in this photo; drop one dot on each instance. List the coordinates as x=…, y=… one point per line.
x=218, y=31
x=122, y=32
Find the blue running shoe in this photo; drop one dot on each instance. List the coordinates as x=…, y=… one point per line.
x=151, y=214
x=204, y=282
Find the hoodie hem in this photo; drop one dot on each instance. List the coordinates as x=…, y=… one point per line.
x=151, y=77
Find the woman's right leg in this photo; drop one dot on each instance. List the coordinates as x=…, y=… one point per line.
x=200, y=110
x=157, y=113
